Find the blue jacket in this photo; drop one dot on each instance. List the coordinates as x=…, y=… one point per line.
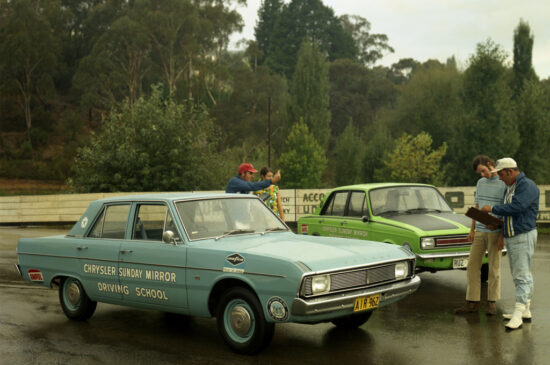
x=520, y=216
x=238, y=185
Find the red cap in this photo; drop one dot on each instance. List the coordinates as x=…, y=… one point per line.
x=246, y=167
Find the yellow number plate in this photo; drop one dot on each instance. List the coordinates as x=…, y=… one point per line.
x=364, y=303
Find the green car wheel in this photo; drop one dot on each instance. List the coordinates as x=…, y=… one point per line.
x=74, y=301
x=241, y=322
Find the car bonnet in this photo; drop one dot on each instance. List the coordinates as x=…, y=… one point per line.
x=433, y=221
x=327, y=253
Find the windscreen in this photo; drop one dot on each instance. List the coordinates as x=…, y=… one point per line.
x=209, y=218
x=407, y=199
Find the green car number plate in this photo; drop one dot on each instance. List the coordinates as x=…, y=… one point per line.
x=364, y=303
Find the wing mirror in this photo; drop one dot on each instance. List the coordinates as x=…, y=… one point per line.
x=365, y=218
x=168, y=237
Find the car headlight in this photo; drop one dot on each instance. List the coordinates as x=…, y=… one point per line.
x=401, y=270
x=320, y=284
x=426, y=243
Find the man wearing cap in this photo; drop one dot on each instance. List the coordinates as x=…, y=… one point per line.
x=519, y=210
x=242, y=183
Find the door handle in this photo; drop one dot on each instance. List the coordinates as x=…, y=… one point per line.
x=126, y=251
x=81, y=248
x=342, y=223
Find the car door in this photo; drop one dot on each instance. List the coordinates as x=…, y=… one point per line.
x=151, y=269
x=332, y=220
x=99, y=251
x=355, y=224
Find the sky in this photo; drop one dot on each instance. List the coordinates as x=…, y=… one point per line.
x=439, y=29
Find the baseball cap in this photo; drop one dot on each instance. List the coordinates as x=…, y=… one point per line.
x=247, y=167
x=505, y=163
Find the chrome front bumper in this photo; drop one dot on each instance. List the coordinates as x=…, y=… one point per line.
x=444, y=255
x=343, y=301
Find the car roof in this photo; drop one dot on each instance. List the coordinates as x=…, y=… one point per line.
x=176, y=196
x=371, y=186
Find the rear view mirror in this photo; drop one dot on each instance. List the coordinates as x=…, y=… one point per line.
x=365, y=218
x=168, y=237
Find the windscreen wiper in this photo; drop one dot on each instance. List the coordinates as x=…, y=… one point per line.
x=234, y=231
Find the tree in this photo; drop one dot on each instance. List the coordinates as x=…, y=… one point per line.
x=29, y=55
x=523, y=55
x=413, y=160
x=299, y=21
x=115, y=69
x=310, y=92
x=349, y=95
x=349, y=151
x=174, y=30
x=156, y=145
x=430, y=102
x=268, y=14
x=243, y=115
x=304, y=161
x=489, y=124
x=534, y=117
x=370, y=47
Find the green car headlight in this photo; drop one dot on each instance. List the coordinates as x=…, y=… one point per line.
x=401, y=270
x=426, y=243
x=320, y=284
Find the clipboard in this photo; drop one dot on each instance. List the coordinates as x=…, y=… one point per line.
x=483, y=217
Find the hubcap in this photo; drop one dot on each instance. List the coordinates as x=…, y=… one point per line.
x=240, y=320
x=73, y=293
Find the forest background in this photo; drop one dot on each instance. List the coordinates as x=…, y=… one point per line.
x=145, y=95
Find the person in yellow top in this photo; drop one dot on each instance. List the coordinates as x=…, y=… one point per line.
x=271, y=195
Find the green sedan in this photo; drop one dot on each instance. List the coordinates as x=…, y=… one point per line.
x=415, y=216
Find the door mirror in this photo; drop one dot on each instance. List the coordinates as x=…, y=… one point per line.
x=168, y=237
x=365, y=218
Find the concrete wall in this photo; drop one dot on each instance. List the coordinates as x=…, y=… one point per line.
x=67, y=208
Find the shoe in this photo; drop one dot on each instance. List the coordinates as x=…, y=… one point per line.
x=491, y=308
x=516, y=321
x=526, y=317
x=469, y=307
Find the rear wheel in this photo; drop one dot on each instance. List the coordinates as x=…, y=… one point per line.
x=241, y=322
x=352, y=321
x=74, y=301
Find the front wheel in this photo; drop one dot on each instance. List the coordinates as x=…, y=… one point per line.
x=241, y=322
x=74, y=301
x=352, y=321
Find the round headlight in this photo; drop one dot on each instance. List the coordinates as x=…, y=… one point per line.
x=401, y=270
x=320, y=284
x=426, y=243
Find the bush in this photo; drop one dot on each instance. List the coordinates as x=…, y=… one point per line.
x=152, y=145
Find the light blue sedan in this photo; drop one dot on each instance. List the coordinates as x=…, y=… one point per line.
x=215, y=255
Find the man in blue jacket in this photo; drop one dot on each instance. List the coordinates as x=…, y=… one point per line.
x=242, y=183
x=519, y=210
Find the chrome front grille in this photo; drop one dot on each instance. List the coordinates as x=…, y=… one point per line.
x=354, y=279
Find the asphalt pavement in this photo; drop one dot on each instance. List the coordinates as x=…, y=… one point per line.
x=421, y=329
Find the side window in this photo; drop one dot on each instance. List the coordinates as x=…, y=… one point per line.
x=151, y=222
x=337, y=204
x=357, y=204
x=112, y=223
